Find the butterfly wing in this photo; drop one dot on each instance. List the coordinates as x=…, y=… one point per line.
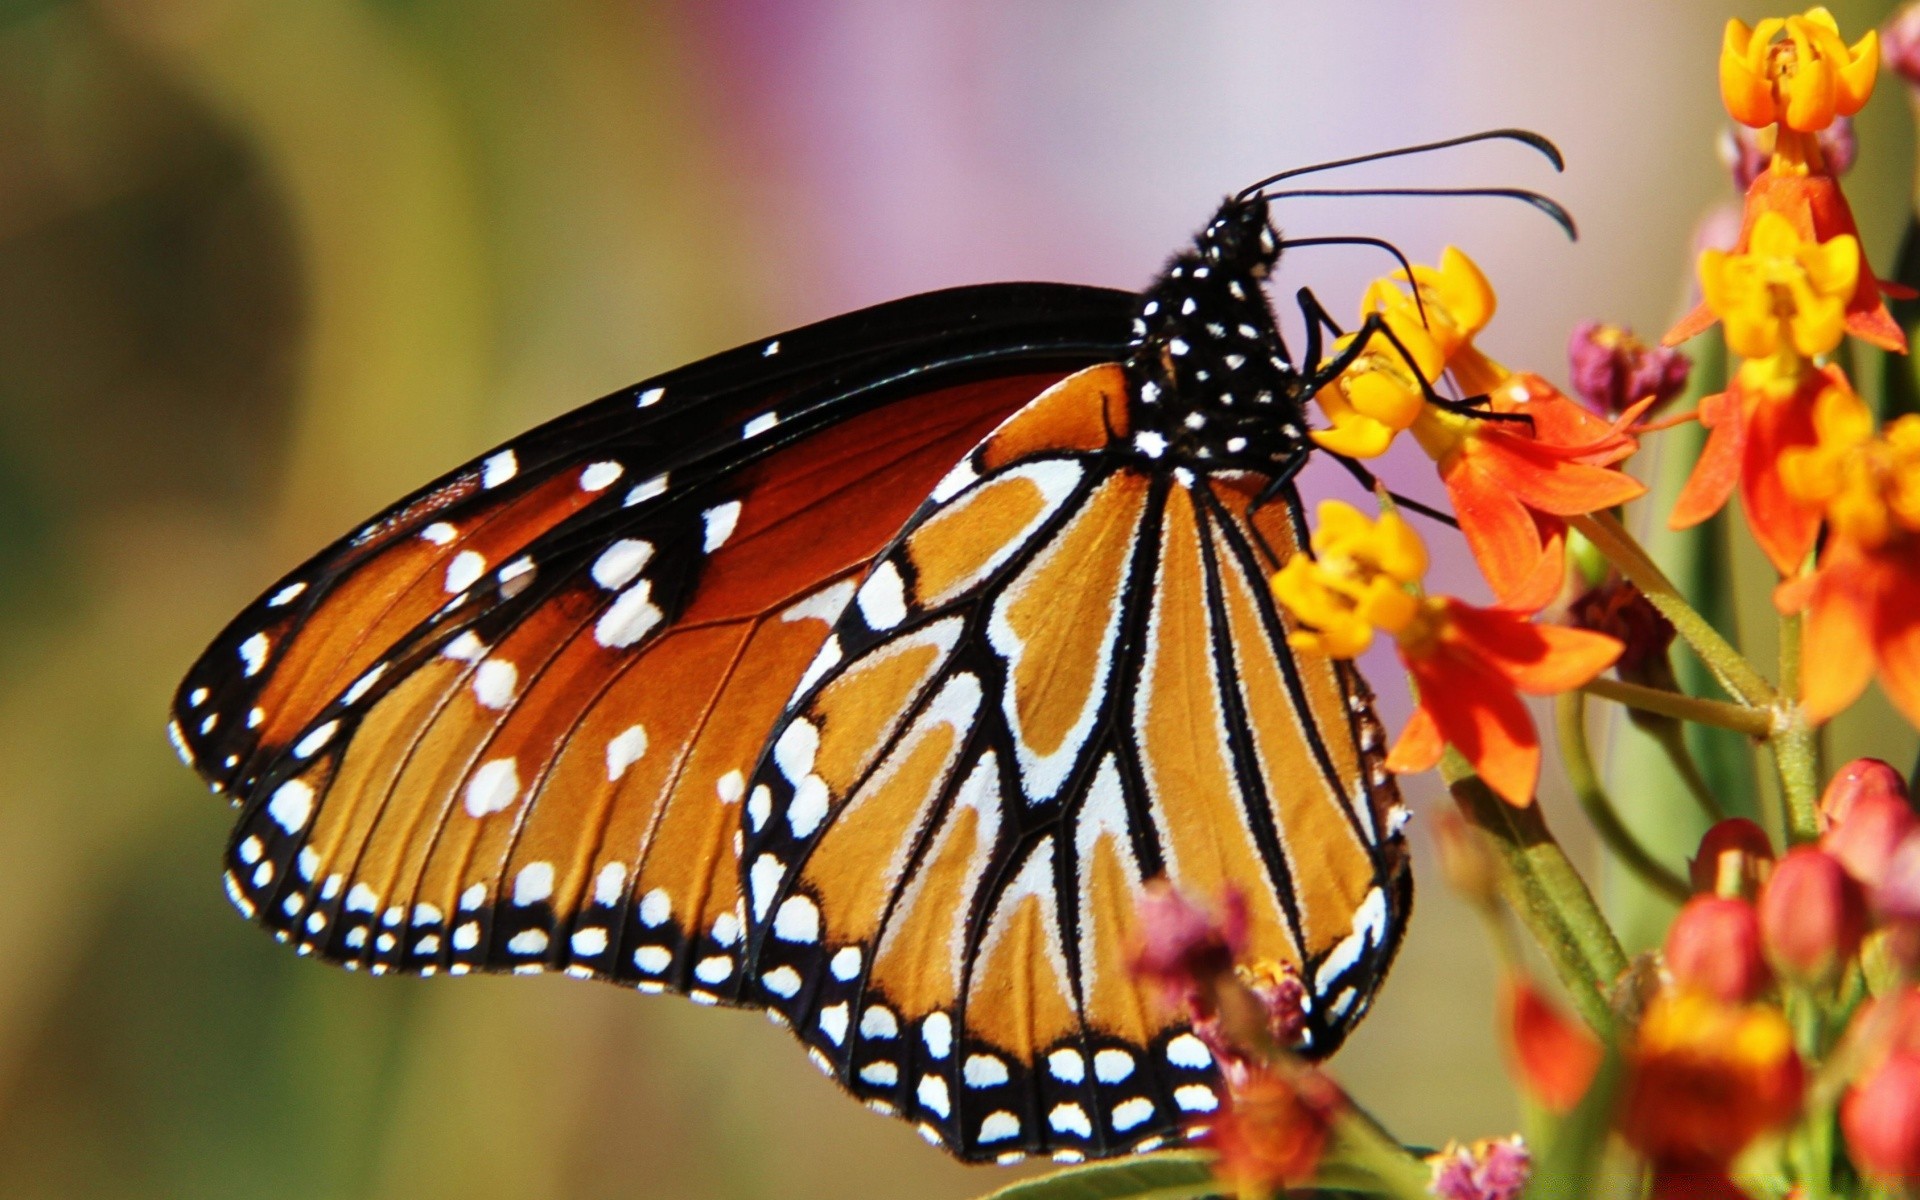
x=1064, y=678
x=506, y=724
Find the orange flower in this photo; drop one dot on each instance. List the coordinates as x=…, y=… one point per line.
x=1804, y=80
x=1512, y=483
x=1861, y=614
x=1801, y=84
x=1470, y=663
x=1707, y=1078
x=1273, y=1129
x=1750, y=430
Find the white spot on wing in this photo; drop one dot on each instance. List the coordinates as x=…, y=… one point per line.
x=719, y=522
x=498, y=468
x=883, y=597
x=824, y=605
x=291, y=805
x=284, y=596
x=465, y=570
x=759, y=425
x=623, y=750
x=797, y=921
x=253, y=653
x=314, y=742
x=645, y=490
x=494, y=682
x=608, y=884
x=439, y=533
x=651, y=396
x=619, y=563
x=533, y=884
x=629, y=618
x=597, y=477
x=493, y=787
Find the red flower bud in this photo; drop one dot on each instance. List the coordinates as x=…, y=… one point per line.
x=1734, y=859
x=1618, y=609
x=1900, y=44
x=1880, y=1116
x=1812, y=916
x=1850, y=784
x=1898, y=896
x=1713, y=946
x=1865, y=838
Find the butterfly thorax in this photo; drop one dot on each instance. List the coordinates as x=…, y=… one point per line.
x=1211, y=382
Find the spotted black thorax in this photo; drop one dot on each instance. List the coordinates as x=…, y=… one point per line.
x=1210, y=379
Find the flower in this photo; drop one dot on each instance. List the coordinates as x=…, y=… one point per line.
x=1713, y=946
x=1470, y=663
x=1804, y=80
x=1750, y=430
x=1272, y=1130
x=1812, y=916
x=1746, y=152
x=1553, y=1056
x=1489, y=1169
x=1733, y=859
x=1707, y=1078
x=1860, y=615
x=1611, y=369
x=1880, y=1116
x=1182, y=947
x=1512, y=482
x=1784, y=296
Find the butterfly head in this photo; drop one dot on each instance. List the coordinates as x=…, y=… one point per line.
x=1240, y=238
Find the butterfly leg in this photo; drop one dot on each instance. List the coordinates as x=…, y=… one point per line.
x=1371, y=482
x=1375, y=326
x=1278, y=484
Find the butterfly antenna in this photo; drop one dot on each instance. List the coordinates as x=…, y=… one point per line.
x=1381, y=243
x=1545, y=204
x=1525, y=137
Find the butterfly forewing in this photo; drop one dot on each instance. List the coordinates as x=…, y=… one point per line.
x=508, y=723
x=1064, y=678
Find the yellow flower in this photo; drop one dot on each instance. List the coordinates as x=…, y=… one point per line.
x=1362, y=575
x=1804, y=80
x=1784, y=300
x=1378, y=396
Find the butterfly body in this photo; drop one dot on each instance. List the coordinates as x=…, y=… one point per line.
x=864, y=675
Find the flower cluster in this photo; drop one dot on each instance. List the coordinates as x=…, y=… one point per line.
x=1769, y=1048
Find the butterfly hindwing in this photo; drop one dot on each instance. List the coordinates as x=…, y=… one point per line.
x=506, y=725
x=1063, y=679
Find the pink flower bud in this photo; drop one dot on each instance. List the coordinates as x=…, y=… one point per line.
x=1850, y=784
x=1812, y=916
x=1621, y=611
x=1612, y=369
x=1900, y=44
x=1880, y=1116
x=1898, y=896
x=1865, y=839
x=1713, y=946
x=1182, y=946
x=1734, y=859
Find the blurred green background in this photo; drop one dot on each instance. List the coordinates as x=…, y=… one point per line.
x=265, y=266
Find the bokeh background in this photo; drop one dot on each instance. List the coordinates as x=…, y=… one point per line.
x=266, y=265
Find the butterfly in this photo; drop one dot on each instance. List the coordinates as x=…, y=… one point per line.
x=865, y=675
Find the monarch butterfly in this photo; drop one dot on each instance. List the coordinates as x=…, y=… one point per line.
x=864, y=675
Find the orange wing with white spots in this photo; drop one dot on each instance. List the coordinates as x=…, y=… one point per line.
x=1065, y=677
x=508, y=724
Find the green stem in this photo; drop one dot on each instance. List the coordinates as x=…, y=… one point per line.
x=1738, y=675
x=1796, y=748
x=1545, y=892
x=1754, y=722
x=1570, y=712
x=1360, y=1144
x=1672, y=738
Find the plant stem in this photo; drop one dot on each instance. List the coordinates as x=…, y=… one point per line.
x=1359, y=1142
x=1545, y=892
x=1738, y=675
x=1754, y=722
x=1570, y=712
x=1672, y=738
x=1796, y=748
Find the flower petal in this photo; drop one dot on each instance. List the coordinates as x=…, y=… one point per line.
x=1501, y=532
x=1480, y=714
x=1836, y=650
x=1896, y=634
x=1784, y=525
x=1539, y=659
x=1418, y=747
x=1717, y=470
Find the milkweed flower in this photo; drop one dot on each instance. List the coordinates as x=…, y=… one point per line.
x=1515, y=471
x=1800, y=84
x=1273, y=1129
x=1713, y=946
x=1470, y=663
x=1880, y=1113
x=1812, y=916
x=1733, y=860
x=1705, y=1079
x=1859, y=601
x=1611, y=369
x=1782, y=302
x=1489, y=1169
x=1554, y=1057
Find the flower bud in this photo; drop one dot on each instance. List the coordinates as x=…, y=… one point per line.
x=1897, y=898
x=1489, y=1169
x=1611, y=369
x=1734, y=859
x=1858, y=779
x=1864, y=840
x=1554, y=1056
x=1812, y=916
x=1621, y=611
x=1713, y=947
x=1182, y=947
x=1880, y=1116
x=1900, y=44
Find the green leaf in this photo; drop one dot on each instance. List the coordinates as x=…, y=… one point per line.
x=1175, y=1175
